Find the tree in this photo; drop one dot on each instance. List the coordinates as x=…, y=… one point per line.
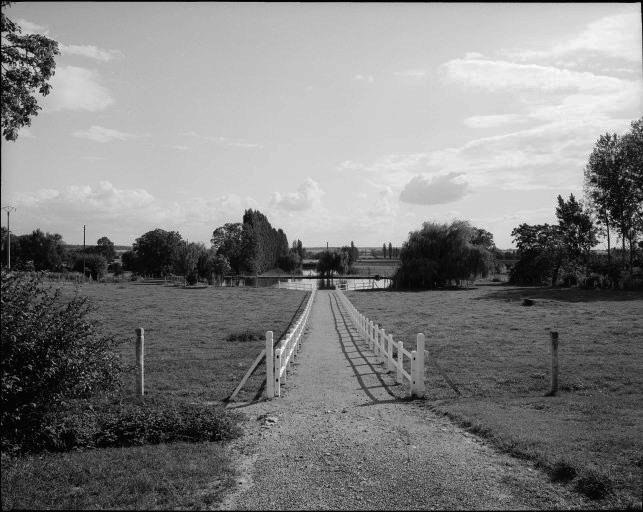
x=540, y=253
x=614, y=184
x=384, y=250
x=390, y=251
x=576, y=228
x=439, y=254
x=187, y=260
x=45, y=251
x=157, y=251
x=27, y=66
x=228, y=241
x=105, y=247
x=94, y=264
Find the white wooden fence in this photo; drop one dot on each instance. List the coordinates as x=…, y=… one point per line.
x=308, y=285
x=278, y=359
x=382, y=345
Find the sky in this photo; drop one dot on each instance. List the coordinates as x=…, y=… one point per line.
x=339, y=121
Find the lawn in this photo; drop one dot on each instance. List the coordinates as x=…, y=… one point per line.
x=193, y=351
x=496, y=351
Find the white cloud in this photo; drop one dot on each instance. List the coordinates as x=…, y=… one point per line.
x=223, y=141
x=492, y=121
x=617, y=36
x=440, y=189
x=180, y=147
x=307, y=196
x=105, y=198
x=31, y=28
x=76, y=88
x=101, y=134
x=90, y=51
x=364, y=78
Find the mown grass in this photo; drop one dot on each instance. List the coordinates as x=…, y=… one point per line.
x=497, y=353
x=196, y=350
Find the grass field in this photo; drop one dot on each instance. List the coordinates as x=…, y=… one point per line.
x=190, y=353
x=497, y=353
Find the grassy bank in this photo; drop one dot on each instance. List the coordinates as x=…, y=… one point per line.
x=198, y=345
x=497, y=353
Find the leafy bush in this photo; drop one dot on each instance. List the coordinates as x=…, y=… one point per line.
x=51, y=353
x=115, y=423
x=562, y=471
x=95, y=264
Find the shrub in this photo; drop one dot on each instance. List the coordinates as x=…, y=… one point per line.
x=95, y=264
x=244, y=336
x=116, y=423
x=562, y=471
x=51, y=353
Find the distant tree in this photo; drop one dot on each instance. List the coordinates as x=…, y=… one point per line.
x=45, y=251
x=105, y=247
x=440, y=254
x=390, y=251
x=157, y=251
x=130, y=261
x=115, y=268
x=290, y=262
x=187, y=260
x=333, y=262
x=94, y=265
x=614, y=185
x=27, y=66
x=576, y=228
x=229, y=240
x=540, y=253
x=384, y=250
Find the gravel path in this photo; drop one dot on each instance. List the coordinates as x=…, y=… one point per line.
x=340, y=438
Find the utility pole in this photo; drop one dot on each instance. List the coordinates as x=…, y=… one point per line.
x=9, y=209
x=83, y=251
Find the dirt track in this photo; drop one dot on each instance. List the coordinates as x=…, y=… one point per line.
x=340, y=437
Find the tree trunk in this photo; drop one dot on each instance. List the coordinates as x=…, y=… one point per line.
x=609, y=254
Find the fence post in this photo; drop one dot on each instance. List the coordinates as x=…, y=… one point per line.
x=370, y=334
x=140, y=361
x=277, y=378
x=270, y=366
x=414, y=364
x=376, y=339
x=554, y=363
x=389, y=362
x=400, y=360
x=419, y=367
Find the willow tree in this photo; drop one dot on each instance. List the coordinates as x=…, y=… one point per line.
x=439, y=255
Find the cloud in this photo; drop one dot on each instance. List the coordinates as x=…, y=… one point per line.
x=492, y=121
x=180, y=147
x=412, y=73
x=364, y=78
x=223, y=141
x=31, y=28
x=90, y=51
x=440, y=189
x=105, y=198
x=617, y=37
x=76, y=88
x=101, y=134
x=307, y=196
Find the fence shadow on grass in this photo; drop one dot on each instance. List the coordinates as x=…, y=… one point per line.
x=348, y=338
x=562, y=294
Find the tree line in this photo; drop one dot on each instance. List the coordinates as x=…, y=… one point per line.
x=613, y=208
x=47, y=251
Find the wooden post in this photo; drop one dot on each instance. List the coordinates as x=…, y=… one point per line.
x=140, y=361
x=370, y=334
x=420, y=365
x=277, y=379
x=376, y=339
x=413, y=373
x=270, y=366
x=400, y=360
x=389, y=362
x=554, y=363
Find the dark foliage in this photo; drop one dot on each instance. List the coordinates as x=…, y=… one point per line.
x=51, y=353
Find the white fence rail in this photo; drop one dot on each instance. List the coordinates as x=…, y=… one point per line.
x=278, y=359
x=310, y=285
x=382, y=345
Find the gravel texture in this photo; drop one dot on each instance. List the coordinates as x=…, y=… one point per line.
x=342, y=436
